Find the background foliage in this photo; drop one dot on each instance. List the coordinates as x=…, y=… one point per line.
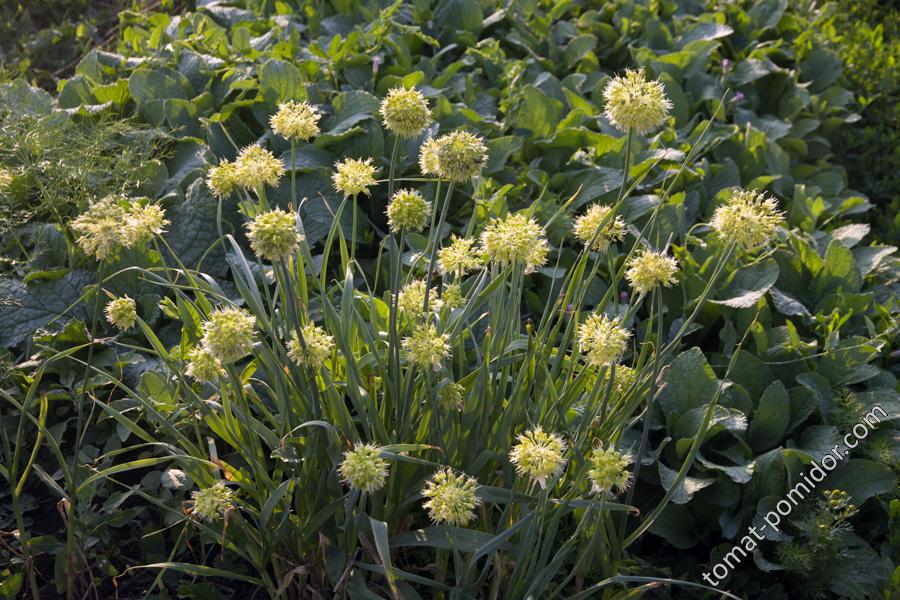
x=809, y=115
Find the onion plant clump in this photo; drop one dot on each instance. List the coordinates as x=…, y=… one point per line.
x=423, y=435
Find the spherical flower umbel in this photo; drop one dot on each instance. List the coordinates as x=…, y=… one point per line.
x=459, y=257
x=274, y=235
x=411, y=299
x=453, y=297
x=296, y=121
x=202, y=366
x=459, y=156
x=222, y=179
x=515, y=240
x=6, y=178
x=101, y=229
x=428, y=157
x=229, y=334
x=748, y=219
x=210, y=503
x=143, y=222
x=408, y=210
x=634, y=103
x=122, y=313
x=608, y=470
x=538, y=455
x=426, y=348
x=363, y=468
x=602, y=340
x=405, y=112
x=451, y=498
x=256, y=168
x=599, y=227
x=649, y=269
x=315, y=349
x=353, y=177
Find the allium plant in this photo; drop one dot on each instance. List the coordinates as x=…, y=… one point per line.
x=354, y=418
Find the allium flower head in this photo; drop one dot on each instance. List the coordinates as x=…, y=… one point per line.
x=353, y=177
x=602, y=340
x=363, y=468
x=609, y=470
x=256, y=168
x=649, y=269
x=749, y=219
x=143, y=222
x=222, y=179
x=229, y=334
x=319, y=346
x=121, y=312
x=428, y=157
x=515, y=240
x=600, y=225
x=538, y=455
x=202, y=366
x=103, y=228
x=426, y=348
x=211, y=503
x=459, y=257
x=634, y=103
x=451, y=498
x=408, y=210
x=296, y=121
x=453, y=296
x=624, y=378
x=453, y=395
x=274, y=235
x=411, y=299
x=405, y=112
x=460, y=156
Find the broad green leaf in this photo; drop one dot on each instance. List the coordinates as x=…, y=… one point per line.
x=770, y=421
x=750, y=284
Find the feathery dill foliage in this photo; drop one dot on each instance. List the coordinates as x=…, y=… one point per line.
x=338, y=405
x=49, y=180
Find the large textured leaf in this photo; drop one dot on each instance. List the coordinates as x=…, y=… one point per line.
x=26, y=308
x=690, y=383
x=770, y=421
x=750, y=284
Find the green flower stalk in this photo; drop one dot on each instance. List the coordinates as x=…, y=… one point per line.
x=122, y=312
x=296, y=121
x=353, y=177
x=222, y=179
x=229, y=334
x=274, y=235
x=515, y=240
x=748, y=219
x=459, y=257
x=408, y=210
x=210, y=504
x=318, y=346
x=451, y=498
x=256, y=168
x=609, y=470
x=602, y=340
x=363, y=468
x=203, y=367
x=405, y=112
x=538, y=455
x=599, y=228
x=649, y=269
x=426, y=348
x=635, y=104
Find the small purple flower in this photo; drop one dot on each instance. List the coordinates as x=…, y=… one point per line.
x=726, y=65
x=738, y=97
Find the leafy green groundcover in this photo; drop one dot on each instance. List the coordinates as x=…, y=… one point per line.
x=529, y=78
